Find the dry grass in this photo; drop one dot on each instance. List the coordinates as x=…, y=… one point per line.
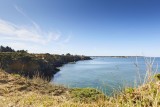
x=18, y=91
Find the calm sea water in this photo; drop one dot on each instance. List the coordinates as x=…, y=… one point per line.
x=105, y=73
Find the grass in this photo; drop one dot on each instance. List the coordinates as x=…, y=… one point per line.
x=18, y=91
x=86, y=95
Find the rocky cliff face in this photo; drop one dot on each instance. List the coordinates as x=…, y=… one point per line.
x=30, y=65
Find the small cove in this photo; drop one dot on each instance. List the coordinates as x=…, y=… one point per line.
x=105, y=73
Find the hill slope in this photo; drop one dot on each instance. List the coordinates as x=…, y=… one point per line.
x=19, y=91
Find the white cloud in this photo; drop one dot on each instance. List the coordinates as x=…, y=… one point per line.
x=33, y=33
x=10, y=31
x=30, y=37
x=67, y=39
x=20, y=10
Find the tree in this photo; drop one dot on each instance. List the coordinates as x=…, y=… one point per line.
x=22, y=51
x=68, y=54
x=6, y=49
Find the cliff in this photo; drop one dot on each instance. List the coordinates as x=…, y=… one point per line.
x=30, y=65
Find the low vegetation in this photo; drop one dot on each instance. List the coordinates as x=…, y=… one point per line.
x=19, y=91
x=16, y=90
x=86, y=95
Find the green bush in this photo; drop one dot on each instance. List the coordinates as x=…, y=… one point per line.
x=86, y=94
x=157, y=76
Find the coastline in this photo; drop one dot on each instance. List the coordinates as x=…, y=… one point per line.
x=30, y=65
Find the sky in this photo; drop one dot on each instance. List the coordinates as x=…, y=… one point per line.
x=83, y=27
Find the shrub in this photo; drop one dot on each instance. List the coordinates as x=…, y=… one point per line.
x=86, y=94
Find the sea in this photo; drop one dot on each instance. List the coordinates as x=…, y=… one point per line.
x=107, y=74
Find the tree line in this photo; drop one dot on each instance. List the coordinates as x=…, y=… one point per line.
x=9, y=49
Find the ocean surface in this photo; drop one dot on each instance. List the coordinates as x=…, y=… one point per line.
x=105, y=73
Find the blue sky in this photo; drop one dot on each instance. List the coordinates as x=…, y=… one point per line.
x=88, y=27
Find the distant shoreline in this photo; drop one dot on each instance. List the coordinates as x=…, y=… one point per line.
x=117, y=56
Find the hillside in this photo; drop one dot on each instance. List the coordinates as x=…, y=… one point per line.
x=29, y=65
x=19, y=91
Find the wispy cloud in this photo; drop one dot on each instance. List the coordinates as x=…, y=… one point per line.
x=30, y=33
x=30, y=37
x=11, y=31
x=67, y=40
x=21, y=11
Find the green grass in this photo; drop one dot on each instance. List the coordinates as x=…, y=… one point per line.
x=86, y=94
